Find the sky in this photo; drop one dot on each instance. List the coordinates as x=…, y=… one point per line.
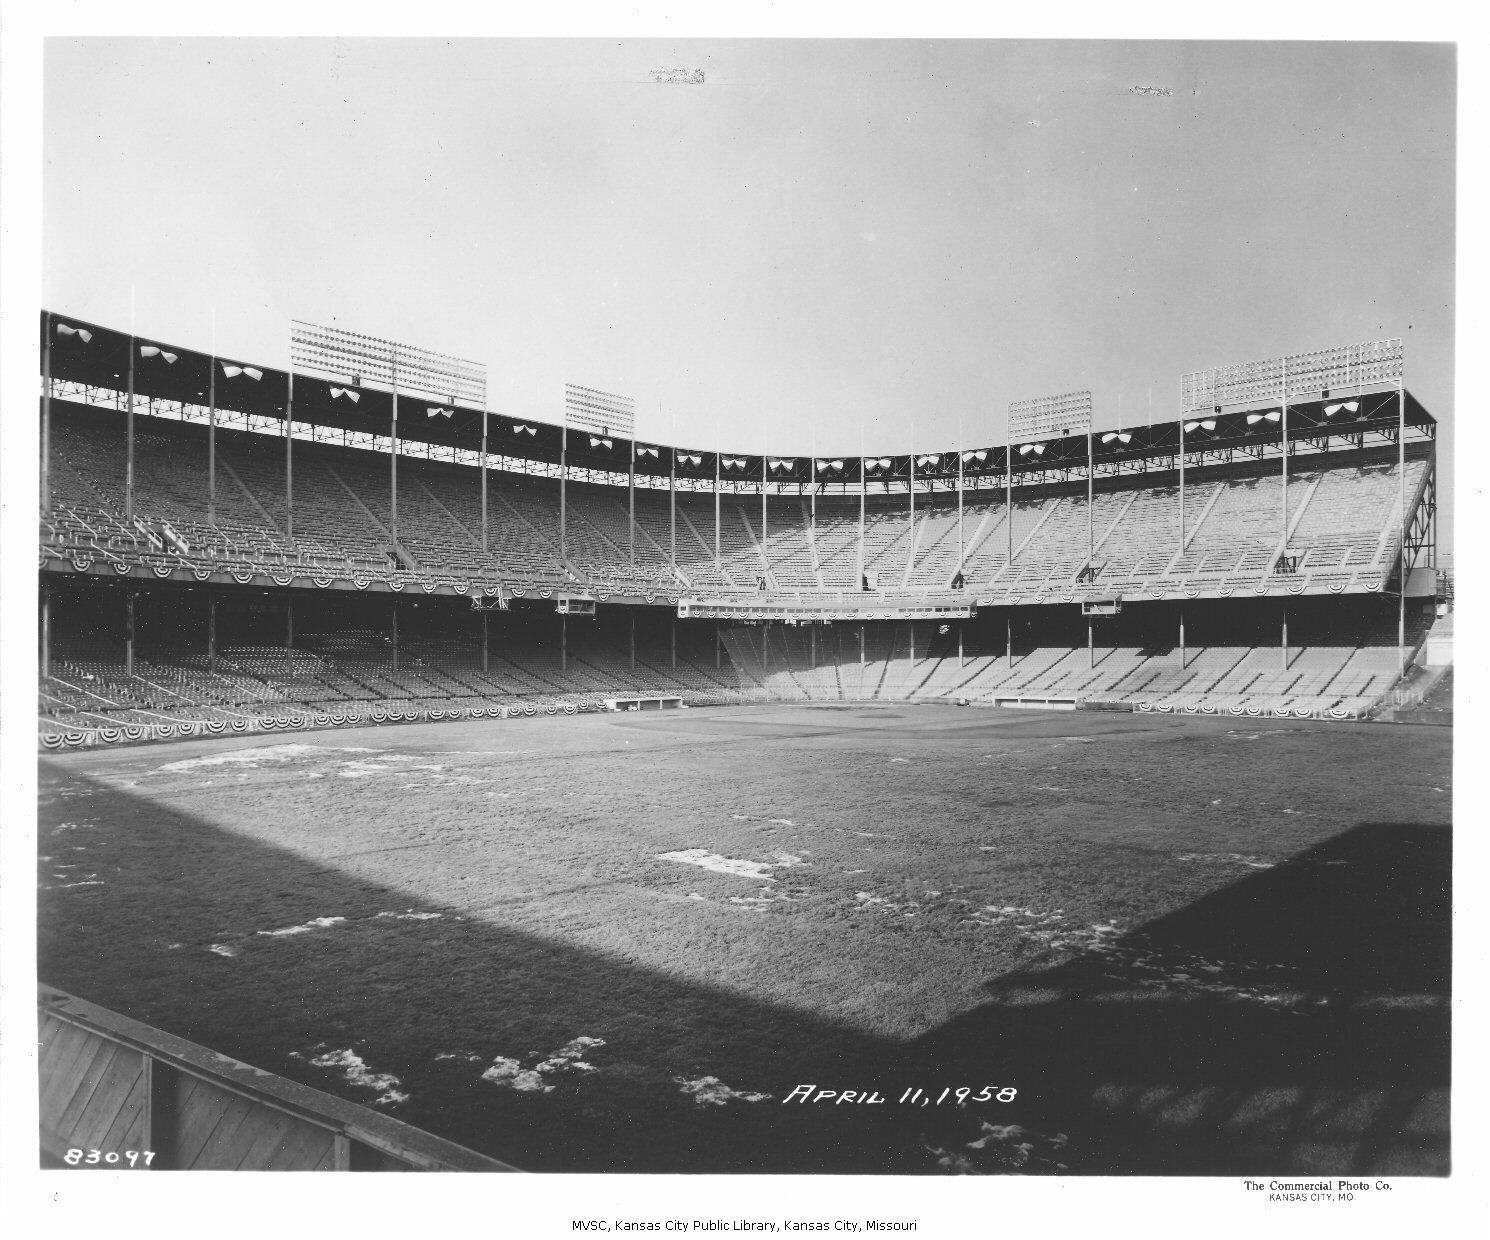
x=825, y=244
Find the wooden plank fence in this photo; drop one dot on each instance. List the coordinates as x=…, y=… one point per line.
x=115, y=1085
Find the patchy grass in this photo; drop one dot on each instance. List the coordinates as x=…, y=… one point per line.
x=624, y=945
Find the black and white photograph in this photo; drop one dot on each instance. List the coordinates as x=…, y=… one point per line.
x=1011, y=482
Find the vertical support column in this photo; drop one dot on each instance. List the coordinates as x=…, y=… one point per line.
x=393, y=613
x=672, y=513
x=212, y=432
x=212, y=632
x=913, y=642
x=813, y=655
x=959, y=645
x=46, y=415
x=485, y=642
x=484, y=551
x=765, y=645
x=1284, y=639
x=129, y=626
x=718, y=644
x=765, y=555
x=1009, y=495
x=1402, y=544
x=718, y=563
x=1091, y=645
x=861, y=647
x=1182, y=641
x=290, y=635
x=1009, y=638
x=564, y=643
x=1283, y=425
x=631, y=503
x=1090, y=468
x=563, y=495
x=672, y=650
x=46, y=630
x=289, y=462
x=961, y=545
x=631, y=644
x=393, y=463
x=129, y=430
x=1181, y=547
x=863, y=493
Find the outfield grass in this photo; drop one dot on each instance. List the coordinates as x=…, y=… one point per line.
x=620, y=942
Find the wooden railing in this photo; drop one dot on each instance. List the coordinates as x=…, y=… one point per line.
x=118, y=1094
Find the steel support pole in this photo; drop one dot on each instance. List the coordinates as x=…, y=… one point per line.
x=563, y=643
x=485, y=642
x=46, y=630
x=289, y=461
x=290, y=636
x=484, y=519
x=863, y=493
x=672, y=514
x=1283, y=424
x=393, y=614
x=212, y=437
x=563, y=497
x=631, y=644
x=1009, y=638
x=1402, y=545
x=959, y=646
x=129, y=625
x=1181, y=547
x=718, y=562
x=129, y=440
x=631, y=504
x=1091, y=645
x=1182, y=641
x=393, y=467
x=673, y=645
x=1009, y=495
x=1089, y=471
x=861, y=647
x=46, y=416
x=813, y=654
x=212, y=632
x=1284, y=642
x=718, y=644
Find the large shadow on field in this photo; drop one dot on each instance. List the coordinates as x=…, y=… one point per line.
x=1318, y=1043
x=1295, y=1021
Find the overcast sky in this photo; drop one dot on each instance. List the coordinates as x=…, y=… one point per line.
x=825, y=239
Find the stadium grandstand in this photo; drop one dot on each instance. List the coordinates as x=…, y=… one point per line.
x=227, y=546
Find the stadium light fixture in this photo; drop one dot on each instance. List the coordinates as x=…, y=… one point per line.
x=1349, y=406
x=337, y=393
x=231, y=371
x=780, y=466
x=835, y=465
x=1205, y=424
x=1120, y=436
x=1273, y=415
x=927, y=461
x=651, y=452
x=519, y=429
x=439, y=411
x=82, y=333
x=1037, y=448
x=981, y=456
x=597, y=441
x=693, y=459
x=733, y=462
x=877, y=464
x=154, y=350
